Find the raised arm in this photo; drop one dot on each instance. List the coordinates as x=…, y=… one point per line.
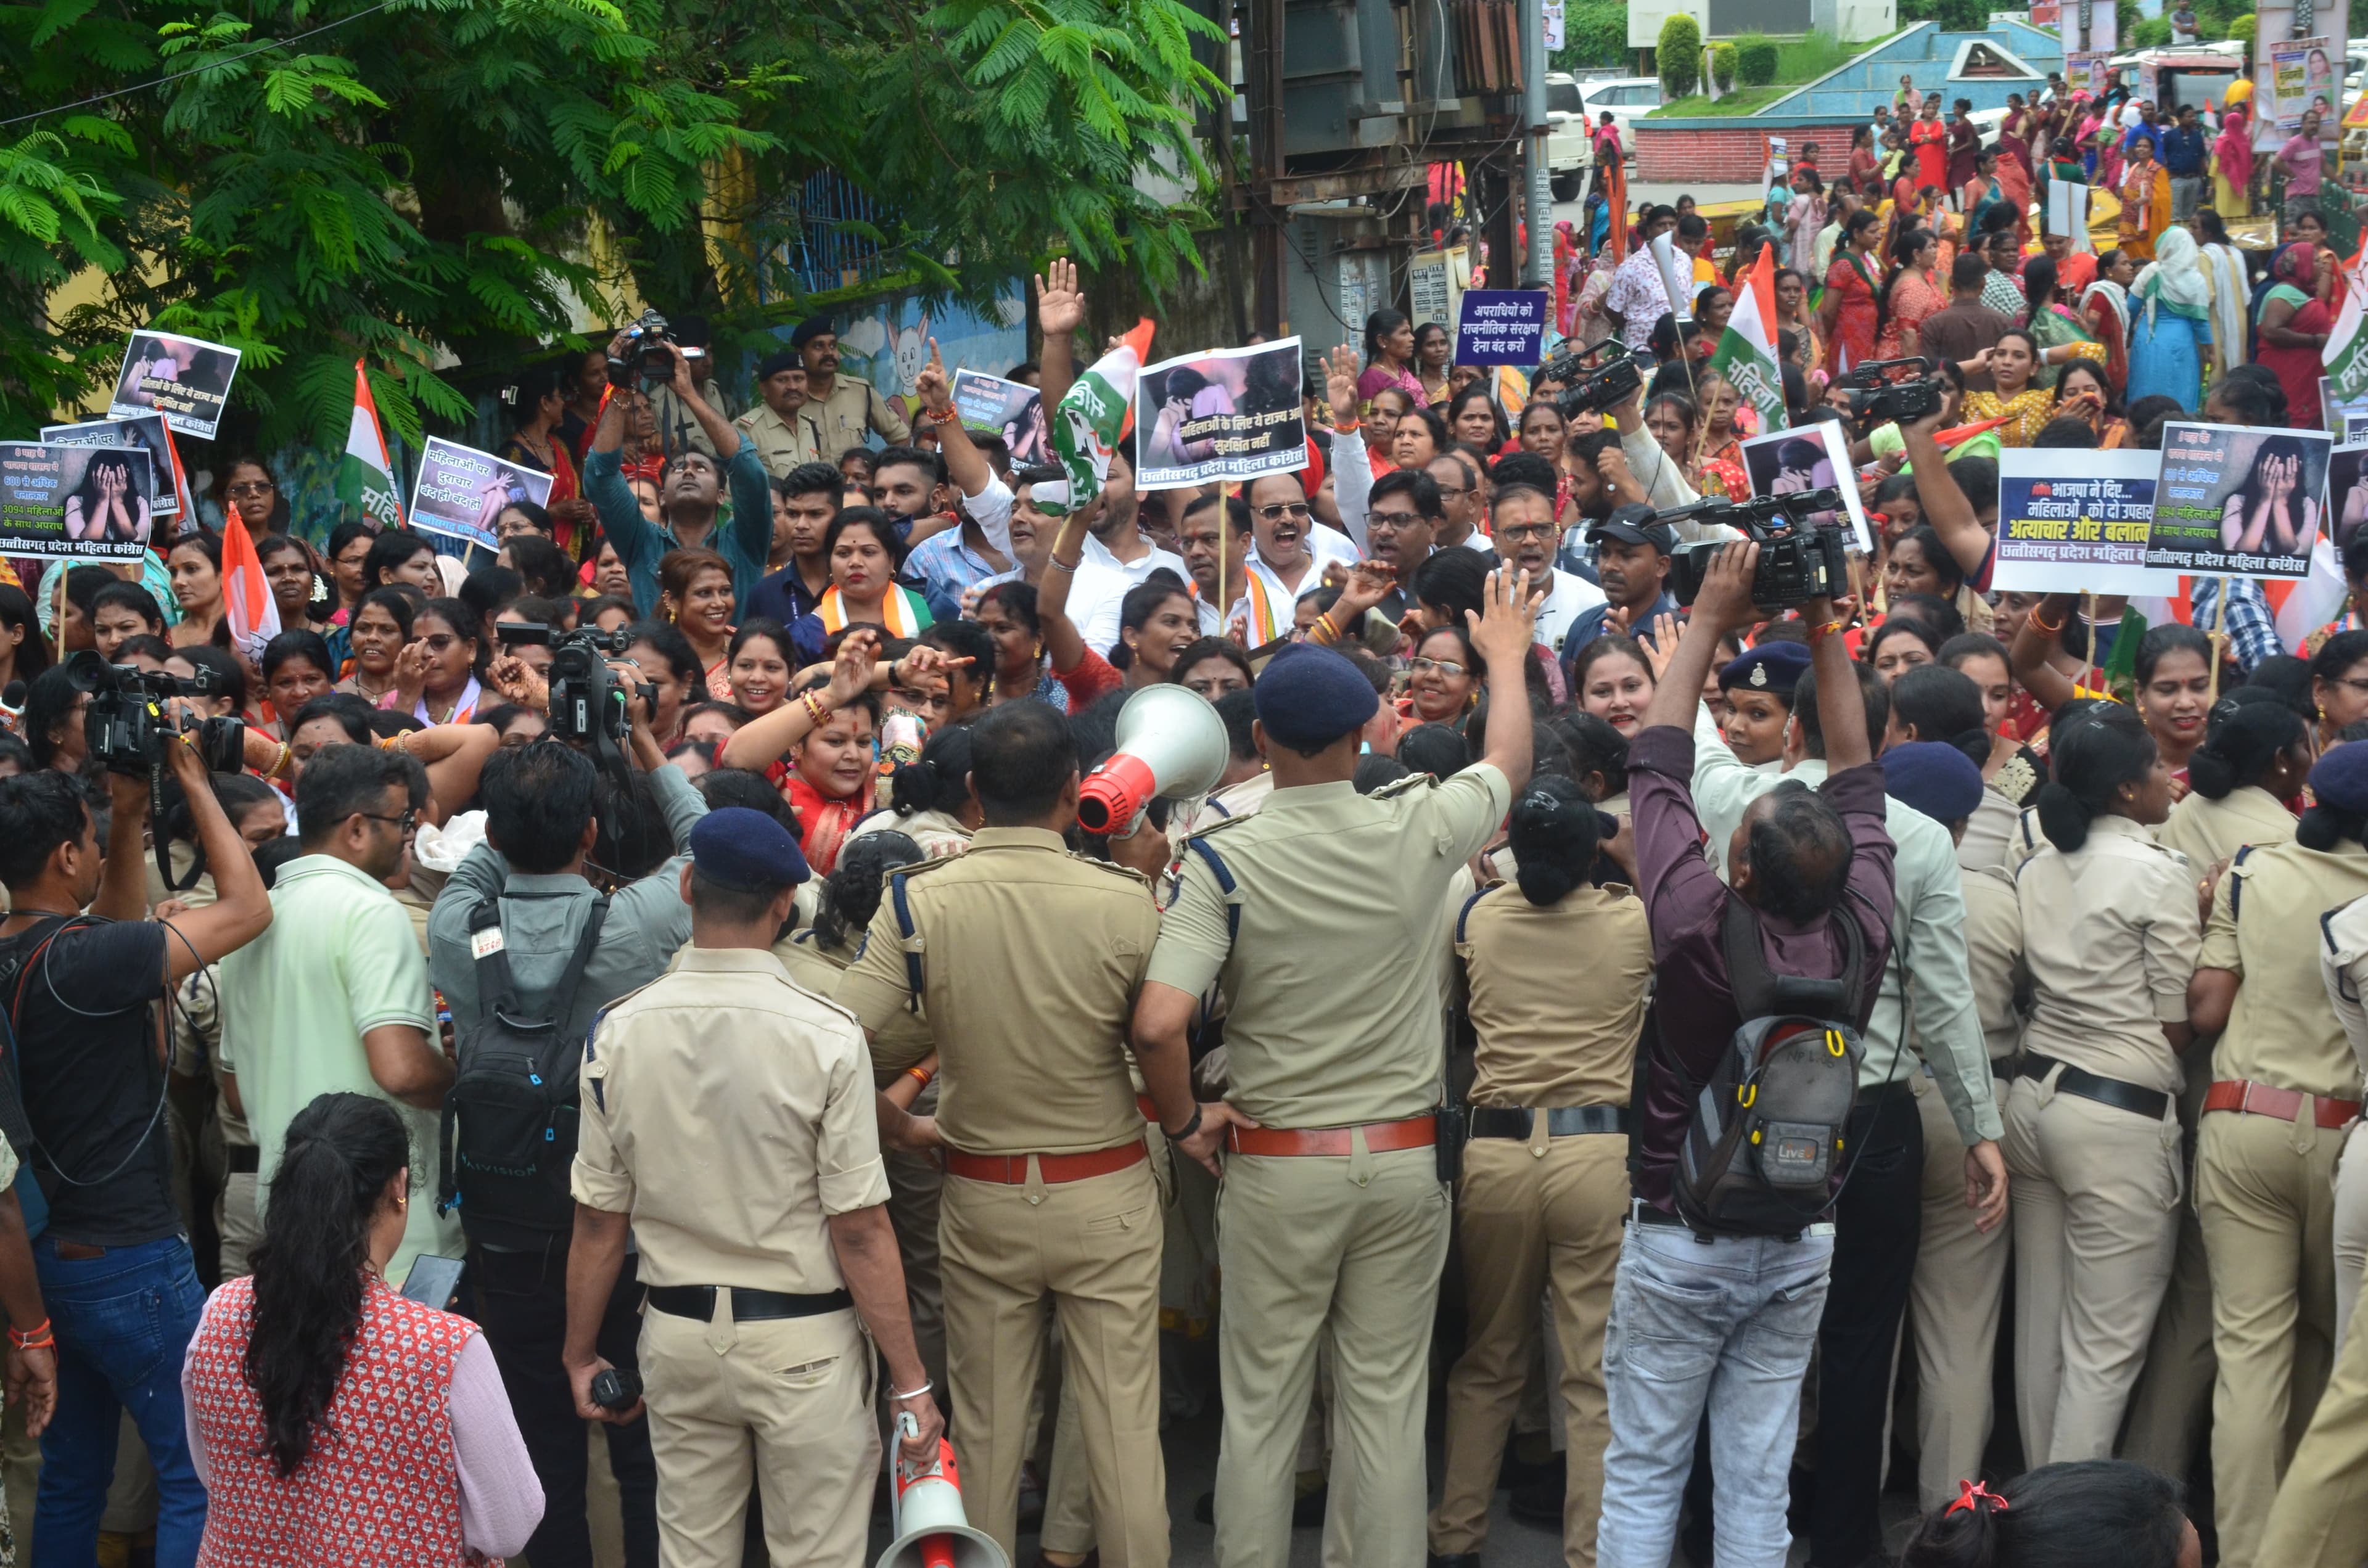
x=1503, y=632
x=1945, y=506
x=1841, y=712
x=1060, y=311
x=1724, y=603
x=453, y=754
x=965, y=465
x=1352, y=471
x=1063, y=640
x=763, y=740
x=241, y=910
x=2035, y=643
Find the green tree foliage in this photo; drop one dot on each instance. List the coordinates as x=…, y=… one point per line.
x=1594, y=34
x=1755, y=59
x=1955, y=16
x=1679, y=53
x=415, y=179
x=1722, y=65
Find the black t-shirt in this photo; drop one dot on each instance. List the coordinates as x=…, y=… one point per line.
x=92, y=1077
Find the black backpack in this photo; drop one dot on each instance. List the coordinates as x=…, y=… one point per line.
x=509, y=1118
x=1762, y=1154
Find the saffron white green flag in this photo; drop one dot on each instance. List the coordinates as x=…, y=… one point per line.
x=2346, y=354
x=1745, y=356
x=366, y=479
x=1097, y=415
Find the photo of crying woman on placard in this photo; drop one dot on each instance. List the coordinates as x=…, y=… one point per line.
x=111, y=502
x=2274, y=510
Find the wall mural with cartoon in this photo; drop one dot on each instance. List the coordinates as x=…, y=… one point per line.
x=887, y=342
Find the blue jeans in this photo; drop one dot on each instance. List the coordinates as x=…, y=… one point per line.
x=1725, y=1323
x=123, y=1324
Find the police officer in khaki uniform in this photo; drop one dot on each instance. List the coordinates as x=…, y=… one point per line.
x=783, y=427
x=2285, y=1087
x=849, y=409
x=2343, y=969
x=1544, y=1189
x=1333, y=1222
x=1026, y=961
x=728, y=1120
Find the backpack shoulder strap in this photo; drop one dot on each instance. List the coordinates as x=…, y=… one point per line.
x=903, y=907
x=585, y=945
x=1230, y=889
x=1747, y=974
x=495, y=991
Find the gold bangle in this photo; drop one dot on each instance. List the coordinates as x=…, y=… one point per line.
x=1326, y=629
x=816, y=709
x=280, y=763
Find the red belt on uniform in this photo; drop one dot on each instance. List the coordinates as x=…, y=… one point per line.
x=1011, y=1170
x=2260, y=1099
x=1144, y=1104
x=1381, y=1138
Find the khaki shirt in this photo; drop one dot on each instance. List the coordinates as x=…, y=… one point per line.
x=1994, y=959
x=729, y=1112
x=2343, y=969
x=780, y=444
x=1535, y=1048
x=1334, y=979
x=852, y=413
x=2283, y=1031
x=2208, y=832
x=678, y=428
x=902, y=1043
x=1031, y=961
x=2117, y=939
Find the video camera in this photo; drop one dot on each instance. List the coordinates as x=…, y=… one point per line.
x=588, y=700
x=1876, y=397
x=130, y=722
x=1799, y=563
x=649, y=355
x=1592, y=388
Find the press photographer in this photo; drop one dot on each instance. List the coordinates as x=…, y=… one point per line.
x=527, y=951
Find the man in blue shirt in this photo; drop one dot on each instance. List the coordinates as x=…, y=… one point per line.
x=1632, y=566
x=2182, y=159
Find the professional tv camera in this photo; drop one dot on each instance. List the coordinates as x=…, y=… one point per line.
x=1799, y=563
x=1879, y=396
x=648, y=356
x=131, y=721
x=1615, y=376
x=588, y=700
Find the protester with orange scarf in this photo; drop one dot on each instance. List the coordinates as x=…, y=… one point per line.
x=2145, y=201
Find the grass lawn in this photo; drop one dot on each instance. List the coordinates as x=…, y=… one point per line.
x=1798, y=61
x=1743, y=100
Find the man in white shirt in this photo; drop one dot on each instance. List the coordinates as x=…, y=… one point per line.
x=1523, y=516
x=1289, y=548
x=1117, y=557
x=1463, y=502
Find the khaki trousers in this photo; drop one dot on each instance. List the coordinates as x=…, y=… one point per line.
x=2172, y=1403
x=235, y=1222
x=1093, y=1247
x=2265, y=1193
x=2095, y=1193
x=1544, y=1214
x=2320, y=1517
x=1346, y=1249
x=785, y=1403
x=2350, y=1228
x=1954, y=1300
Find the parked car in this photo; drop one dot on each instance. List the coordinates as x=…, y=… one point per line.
x=1628, y=99
x=1570, y=150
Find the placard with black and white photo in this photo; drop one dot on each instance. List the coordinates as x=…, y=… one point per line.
x=1812, y=457
x=186, y=379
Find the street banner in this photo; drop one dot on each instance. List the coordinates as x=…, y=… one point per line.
x=1226, y=414
x=2074, y=521
x=186, y=379
x=1012, y=410
x=462, y=491
x=2234, y=501
x=75, y=502
x=147, y=433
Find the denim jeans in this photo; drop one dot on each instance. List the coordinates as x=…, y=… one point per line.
x=1727, y=1324
x=123, y=1323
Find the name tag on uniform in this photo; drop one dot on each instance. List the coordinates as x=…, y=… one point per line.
x=486, y=943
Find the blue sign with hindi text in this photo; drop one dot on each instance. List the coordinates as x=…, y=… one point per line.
x=1501, y=327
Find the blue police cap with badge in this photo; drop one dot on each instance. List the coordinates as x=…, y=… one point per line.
x=1774, y=667
x=1309, y=696
x=738, y=847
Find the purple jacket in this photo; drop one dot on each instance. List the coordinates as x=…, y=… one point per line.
x=1693, y=1005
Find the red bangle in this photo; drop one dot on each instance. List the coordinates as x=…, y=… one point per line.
x=37, y=1338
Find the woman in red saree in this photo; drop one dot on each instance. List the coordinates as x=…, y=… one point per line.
x=2294, y=318
x=1929, y=139
x=1848, y=312
x=1863, y=165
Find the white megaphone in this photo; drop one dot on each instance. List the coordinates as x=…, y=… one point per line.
x=1170, y=742
x=931, y=1529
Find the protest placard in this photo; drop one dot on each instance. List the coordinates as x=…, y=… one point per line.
x=2238, y=502
x=2347, y=490
x=2072, y=521
x=2302, y=77
x=460, y=491
x=1501, y=327
x=2068, y=212
x=88, y=502
x=1012, y=410
x=1227, y=414
x=186, y=379
x=1812, y=457
x=1435, y=281
x=148, y=433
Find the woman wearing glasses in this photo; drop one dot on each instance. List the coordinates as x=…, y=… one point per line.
x=2339, y=684
x=248, y=490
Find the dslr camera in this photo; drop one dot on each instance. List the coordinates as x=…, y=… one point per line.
x=1798, y=563
x=1877, y=397
x=1616, y=377
x=648, y=356
x=588, y=702
x=129, y=725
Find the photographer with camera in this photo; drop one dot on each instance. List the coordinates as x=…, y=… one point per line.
x=690, y=485
x=1810, y=905
x=527, y=951
x=88, y=1063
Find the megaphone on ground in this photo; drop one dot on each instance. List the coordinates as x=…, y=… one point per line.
x=931, y=1529
x=1170, y=742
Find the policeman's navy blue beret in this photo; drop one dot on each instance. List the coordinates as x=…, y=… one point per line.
x=1933, y=777
x=744, y=848
x=775, y=363
x=1771, y=666
x=2340, y=778
x=810, y=329
x=1311, y=697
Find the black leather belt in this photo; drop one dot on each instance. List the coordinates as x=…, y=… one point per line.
x=245, y=1159
x=747, y=1306
x=1875, y=1094
x=1561, y=1121
x=2148, y=1103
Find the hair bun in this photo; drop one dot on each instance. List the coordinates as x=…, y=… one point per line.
x=2062, y=817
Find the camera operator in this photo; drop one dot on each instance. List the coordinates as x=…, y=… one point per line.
x=90, y=1062
x=1803, y=862
x=542, y=828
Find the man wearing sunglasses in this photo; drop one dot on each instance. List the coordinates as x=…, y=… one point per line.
x=1290, y=549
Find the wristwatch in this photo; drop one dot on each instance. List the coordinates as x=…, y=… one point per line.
x=1189, y=1129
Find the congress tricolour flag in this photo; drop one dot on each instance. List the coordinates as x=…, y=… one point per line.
x=366, y=479
x=1097, y=414
x=1745, y=356
x=247, y=596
